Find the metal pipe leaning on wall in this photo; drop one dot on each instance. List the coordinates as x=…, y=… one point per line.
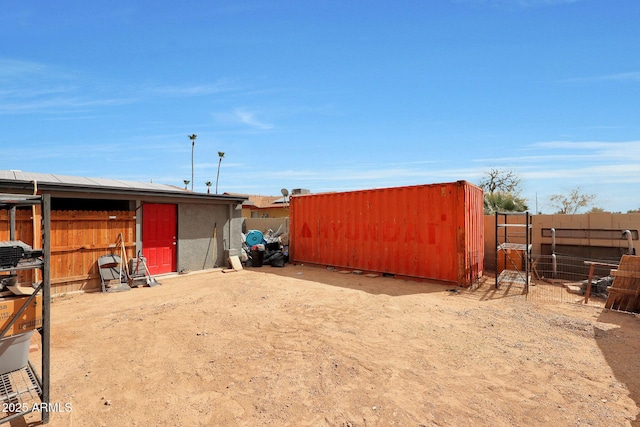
x=554, y=261
x=627, y=233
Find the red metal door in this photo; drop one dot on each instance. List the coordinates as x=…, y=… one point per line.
x=159, y=237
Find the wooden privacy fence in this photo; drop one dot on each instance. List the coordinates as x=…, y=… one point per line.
x=78, y=239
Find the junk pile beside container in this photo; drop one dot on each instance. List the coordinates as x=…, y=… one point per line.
x=599, y=287
x=260, y=249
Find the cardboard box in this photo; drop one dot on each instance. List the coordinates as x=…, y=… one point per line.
x=30, y=319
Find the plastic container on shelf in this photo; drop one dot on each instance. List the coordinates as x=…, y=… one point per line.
x=14, y=352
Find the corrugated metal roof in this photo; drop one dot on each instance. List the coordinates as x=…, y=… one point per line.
x=78, y=183
x=81, y=181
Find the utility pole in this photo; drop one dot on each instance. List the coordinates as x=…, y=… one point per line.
x=220, y=155
x=193, y=144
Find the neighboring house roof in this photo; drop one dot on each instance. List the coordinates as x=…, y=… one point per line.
x=18, y=180
x=261, y=202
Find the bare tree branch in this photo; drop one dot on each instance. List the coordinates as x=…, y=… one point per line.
x=497, y=180
x=570, y=204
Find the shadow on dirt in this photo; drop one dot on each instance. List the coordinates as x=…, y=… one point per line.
x=485, y=290
x=379, y=285
x=621, y=348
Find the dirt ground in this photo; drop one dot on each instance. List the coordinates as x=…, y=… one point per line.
x=302, y=345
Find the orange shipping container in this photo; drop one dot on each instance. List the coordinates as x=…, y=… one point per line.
x=426, y=231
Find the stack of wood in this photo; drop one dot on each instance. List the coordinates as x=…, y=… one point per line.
x=624, y=294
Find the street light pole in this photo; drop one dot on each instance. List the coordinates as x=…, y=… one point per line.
x=193, y=143
x=220, y=155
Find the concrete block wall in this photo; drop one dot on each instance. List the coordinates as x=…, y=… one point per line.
x=195, y=235
x=593, y=221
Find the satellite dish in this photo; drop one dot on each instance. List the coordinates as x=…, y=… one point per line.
x=285, y=193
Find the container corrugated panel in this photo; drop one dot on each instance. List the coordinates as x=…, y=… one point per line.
x=430, y=231
x=474, y=233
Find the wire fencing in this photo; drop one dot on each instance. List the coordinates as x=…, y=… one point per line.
x=552, y=279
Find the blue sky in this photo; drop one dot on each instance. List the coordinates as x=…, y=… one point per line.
x=327, y=95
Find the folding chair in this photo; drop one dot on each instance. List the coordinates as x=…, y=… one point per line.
x=112, y=270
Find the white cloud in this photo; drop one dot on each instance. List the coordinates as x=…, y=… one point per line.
x=621, y=77
x=12, y=68
x=249, y=118
x=603, y=150
x=36, y=87
x=358, y=177
x=557, y=154
x=628, y=172
x=519, y=3
x=243, y=117
x=222, y=85
x=59, y=104
x=533, y=159
x=39, y=87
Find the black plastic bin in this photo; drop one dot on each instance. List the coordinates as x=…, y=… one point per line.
x=256, y=258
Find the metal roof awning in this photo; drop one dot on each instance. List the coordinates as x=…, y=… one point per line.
x=18, y=200
x=27, y=181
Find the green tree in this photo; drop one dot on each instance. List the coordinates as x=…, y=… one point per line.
x=573, y=202
x=503, y=202
x=502, y=192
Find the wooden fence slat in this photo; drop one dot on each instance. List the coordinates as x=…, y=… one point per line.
x=78, y=239
x=624, y=293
